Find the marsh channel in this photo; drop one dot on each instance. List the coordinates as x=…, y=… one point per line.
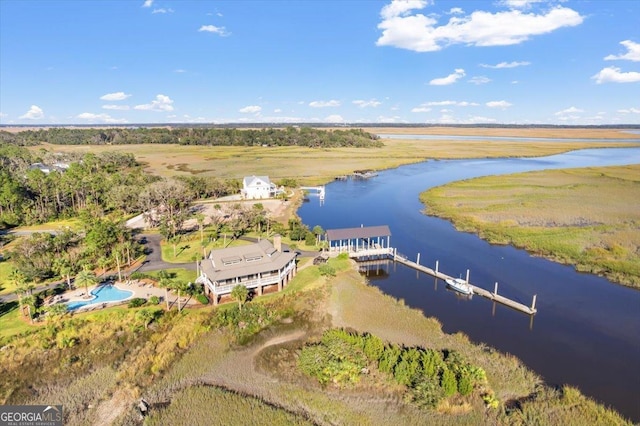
x=587, y=329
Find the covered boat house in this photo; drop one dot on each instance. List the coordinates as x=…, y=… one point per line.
x=365, y=240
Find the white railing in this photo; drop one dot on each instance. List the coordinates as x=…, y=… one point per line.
x=254, y=283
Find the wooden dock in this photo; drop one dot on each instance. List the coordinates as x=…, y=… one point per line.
x=529, y=310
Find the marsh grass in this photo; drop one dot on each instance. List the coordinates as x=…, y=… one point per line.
x=314, y=166
x=215, y=406
x=586, y=217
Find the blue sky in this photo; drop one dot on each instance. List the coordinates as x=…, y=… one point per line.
x=417, y=61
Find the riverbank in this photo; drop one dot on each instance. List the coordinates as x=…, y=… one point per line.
x=313, y=166
x=585, y=217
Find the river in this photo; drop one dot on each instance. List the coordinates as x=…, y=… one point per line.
x=587, y=330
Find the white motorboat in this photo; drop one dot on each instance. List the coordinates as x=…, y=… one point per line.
x=459, y=285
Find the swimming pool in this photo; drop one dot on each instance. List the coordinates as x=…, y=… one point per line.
x=106, y=293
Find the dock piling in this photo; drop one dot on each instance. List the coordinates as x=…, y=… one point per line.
x=467, y=276
x=533, y=303
x=418, y=259
x=495, y=289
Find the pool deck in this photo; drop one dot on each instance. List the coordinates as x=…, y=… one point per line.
x=139, y=289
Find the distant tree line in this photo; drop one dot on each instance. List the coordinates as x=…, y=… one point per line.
x=290, y=136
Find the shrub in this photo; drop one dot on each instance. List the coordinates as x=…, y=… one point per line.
x=448, y=382
x=327, y=270
x=136, y=302
x=154, y=300
x=202, y=298
x=465, y=384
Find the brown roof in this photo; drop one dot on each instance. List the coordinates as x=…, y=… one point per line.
x=245, y=260
x=361, y=232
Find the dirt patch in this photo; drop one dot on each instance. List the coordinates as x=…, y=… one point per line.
x=108, y=411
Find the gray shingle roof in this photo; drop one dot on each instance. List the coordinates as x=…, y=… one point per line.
x=244, y=260
x=361, y=232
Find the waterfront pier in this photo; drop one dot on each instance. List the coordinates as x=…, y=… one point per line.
x=373, y=243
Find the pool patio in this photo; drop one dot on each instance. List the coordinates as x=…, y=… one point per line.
x=139, y=288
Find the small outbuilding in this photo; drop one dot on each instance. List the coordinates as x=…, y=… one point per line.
x=364, y=238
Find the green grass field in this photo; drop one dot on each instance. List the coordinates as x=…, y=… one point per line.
x=586, y=217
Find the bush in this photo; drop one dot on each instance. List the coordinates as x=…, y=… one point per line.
x=202, y=299
x=136, y=302
x=154, y=300
x=327, y=270
x=448, y=382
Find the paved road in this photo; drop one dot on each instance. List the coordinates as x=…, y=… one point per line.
x=154, y=260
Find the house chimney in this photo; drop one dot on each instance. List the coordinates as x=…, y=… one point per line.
x=277, y=242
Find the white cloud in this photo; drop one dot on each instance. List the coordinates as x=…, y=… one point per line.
x=629, y=111
x=334, y=118
x=520, y=4
x=147, y=3
x=479, y=79
x=277, y=111
x=569, y=111
x=3, y=115
x=421, y=109
x=450, y=79
x=100, y=118
x=498, y=104
x=513, y=64
x=160, y=103
x=401, y=8
x=180, y=71
x=370, y=103
x=162, y=10
x=633, y=52
x=116, y=107
x=454, y=103
x=34, y=113
x=221, y=31
x=456, y=11
x=324, y=104
x=250, y=109
x=117, y=96
x=403, y=28
x=614, y=75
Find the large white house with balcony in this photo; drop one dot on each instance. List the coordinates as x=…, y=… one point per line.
x=254, y=266
x=256, y=187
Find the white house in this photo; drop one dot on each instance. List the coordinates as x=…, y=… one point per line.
x=254, y=187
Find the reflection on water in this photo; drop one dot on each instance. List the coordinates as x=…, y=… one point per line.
x=586, y=330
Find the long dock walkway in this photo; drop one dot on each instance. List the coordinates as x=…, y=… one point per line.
x=530, y=310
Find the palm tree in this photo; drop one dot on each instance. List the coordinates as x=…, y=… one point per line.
x=19, y=281
x=164, y=280
x=145, y=316
x=86, y=278
x=240, y=293
x=63, y=267
x=58, y=310
x=200, y=218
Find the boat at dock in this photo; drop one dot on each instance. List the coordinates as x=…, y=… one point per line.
x=459, y=285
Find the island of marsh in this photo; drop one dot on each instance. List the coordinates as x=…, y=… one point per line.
x=587, y=217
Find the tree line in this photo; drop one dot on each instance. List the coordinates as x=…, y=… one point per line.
x=105, y=183
x=290, y=136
